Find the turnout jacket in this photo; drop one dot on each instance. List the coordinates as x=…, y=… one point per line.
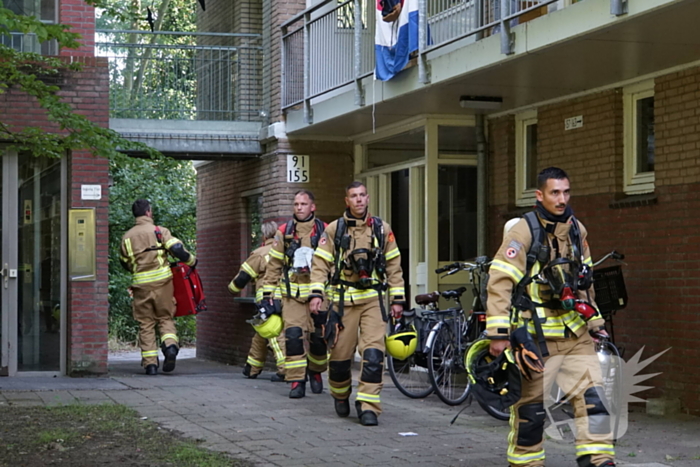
x=253, y=268
x=361, y=237
x=508, y=268
x=274, y=280
x=146, y=258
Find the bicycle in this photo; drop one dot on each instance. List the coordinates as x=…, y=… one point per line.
x=410, y=376
x=453, y=332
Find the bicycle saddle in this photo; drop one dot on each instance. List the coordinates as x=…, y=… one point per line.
x=427, y=298
x=454, y=293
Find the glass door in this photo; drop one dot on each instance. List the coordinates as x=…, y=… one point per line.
x=31, y=264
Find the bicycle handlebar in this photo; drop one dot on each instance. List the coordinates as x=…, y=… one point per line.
x=457, y=266
x=617, y=256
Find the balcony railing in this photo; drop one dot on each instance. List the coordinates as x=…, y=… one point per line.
x=183, y=76
x=331, y=44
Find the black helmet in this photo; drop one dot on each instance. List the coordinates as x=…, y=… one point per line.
x=495, y=380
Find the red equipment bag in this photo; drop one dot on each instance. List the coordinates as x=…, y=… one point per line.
x=187, y=290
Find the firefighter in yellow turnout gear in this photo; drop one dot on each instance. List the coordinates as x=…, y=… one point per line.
x=144, y=250
x=288, y=274
x=564, y=332
x=253, y=269
x=361, y=253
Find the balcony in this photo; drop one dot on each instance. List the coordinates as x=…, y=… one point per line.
x=196, y=95
x=523, y=51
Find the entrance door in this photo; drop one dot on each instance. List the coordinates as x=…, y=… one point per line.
x=31, y=265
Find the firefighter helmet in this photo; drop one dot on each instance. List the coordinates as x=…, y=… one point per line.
x=495, y=380
x=268, y=328
x=402, y=341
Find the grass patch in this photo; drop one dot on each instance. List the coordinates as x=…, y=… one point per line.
x=87, y=435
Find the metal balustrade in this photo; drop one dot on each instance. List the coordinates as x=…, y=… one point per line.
x=196, y=76
x=323, y=50
x=331, y=44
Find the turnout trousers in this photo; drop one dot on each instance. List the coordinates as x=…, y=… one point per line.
x=258, y=353
x=574, y=366
x=303, y=346
x=365, y=331
x=154, y=306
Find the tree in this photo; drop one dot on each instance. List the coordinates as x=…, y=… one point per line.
x=31, y=73
x=151, y=75
x=170, y=186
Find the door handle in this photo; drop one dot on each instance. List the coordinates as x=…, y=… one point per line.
x=8, y=274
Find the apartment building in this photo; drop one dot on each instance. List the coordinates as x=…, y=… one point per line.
x=54, y=217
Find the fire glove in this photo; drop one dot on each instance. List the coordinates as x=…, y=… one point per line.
x=267, y=308
x=320, y=318
x=526, y=353
x=331, y=329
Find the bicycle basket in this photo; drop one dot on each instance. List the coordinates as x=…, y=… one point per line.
x=610, y=291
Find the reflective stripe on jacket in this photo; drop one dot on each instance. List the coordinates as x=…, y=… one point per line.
x=274, y=281
x=144, y=256
x=508, y=268
x=362, y=235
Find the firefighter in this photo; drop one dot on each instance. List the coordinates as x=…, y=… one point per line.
x=559, y=314
x=253, y=269
x=144, y=250
x=288, y=273
x=360, y=252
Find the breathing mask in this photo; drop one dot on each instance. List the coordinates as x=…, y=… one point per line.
x=362, y=264
x=561, y=275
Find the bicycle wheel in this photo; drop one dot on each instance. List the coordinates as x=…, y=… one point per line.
x=495, y=413
x=446, y=367
x=411, y=375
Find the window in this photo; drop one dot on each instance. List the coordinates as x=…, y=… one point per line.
x=525, y=157
x=456, y=213
x=639, y=139
x=46, y=11
x=254, y=211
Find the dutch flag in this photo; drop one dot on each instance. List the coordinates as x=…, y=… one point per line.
x=394, y=42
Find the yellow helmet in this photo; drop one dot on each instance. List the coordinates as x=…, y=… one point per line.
x=268, y=328
x=403, y=342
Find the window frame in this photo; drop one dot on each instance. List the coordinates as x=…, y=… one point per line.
x=524, y=196
x=635, y=183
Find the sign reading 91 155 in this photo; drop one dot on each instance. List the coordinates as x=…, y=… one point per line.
x=298, y=169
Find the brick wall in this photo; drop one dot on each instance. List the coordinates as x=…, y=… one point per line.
x=81, y=18
x=279, y=13
x=661, y=241
x=223, y=227
x=88, y=92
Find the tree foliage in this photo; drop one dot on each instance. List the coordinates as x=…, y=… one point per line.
x=151, y=75
x=170, y=186
x=32, y=73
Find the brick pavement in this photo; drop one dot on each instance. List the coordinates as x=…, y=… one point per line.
x=254, y=420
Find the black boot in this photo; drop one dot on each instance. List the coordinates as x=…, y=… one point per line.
x=151, y=370
x=277, y=378
x=585, y=461
x=298, y=390
x=170, y=353
x=316, y=382
x=367, y=417
x=342, y=407
x=246, y=372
